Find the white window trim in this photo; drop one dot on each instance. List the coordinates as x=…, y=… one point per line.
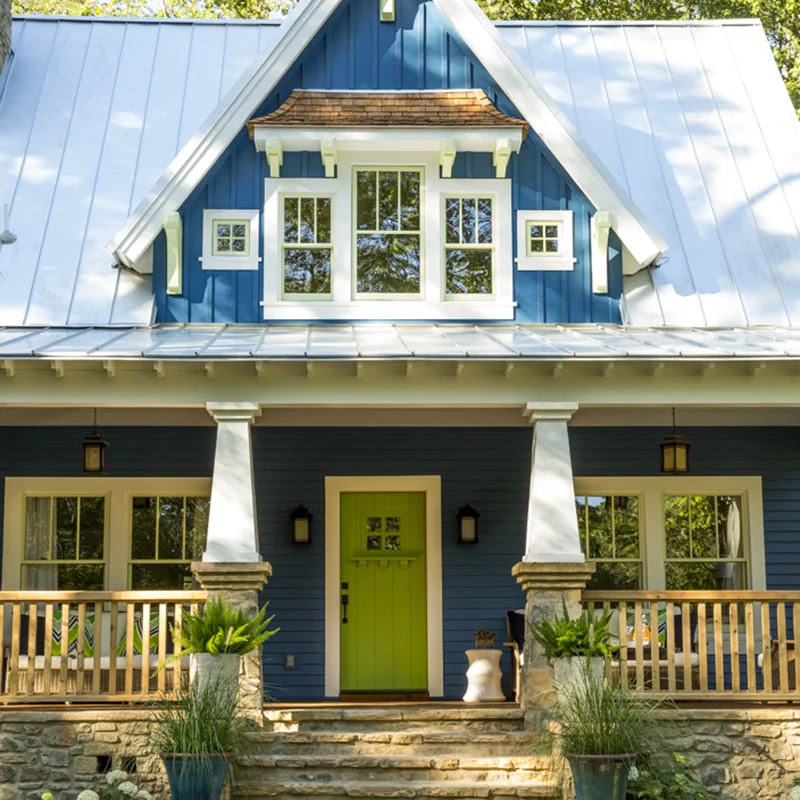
x=248, y=261
x=547, y=262
x=651, y=492
x=118, y=493
x=433, y=303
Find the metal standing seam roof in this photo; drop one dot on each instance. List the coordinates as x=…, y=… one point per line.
x=692, y=119
x=397, y=342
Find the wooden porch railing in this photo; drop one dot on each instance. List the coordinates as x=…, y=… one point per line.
x=91, y=646
x=737, y=645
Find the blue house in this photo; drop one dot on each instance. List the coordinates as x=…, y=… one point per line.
x=379, y=301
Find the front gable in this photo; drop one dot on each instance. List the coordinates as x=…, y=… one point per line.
x=355, y=51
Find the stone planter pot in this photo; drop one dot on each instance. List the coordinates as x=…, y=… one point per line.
x=569, y=673
x=600, y=777
x=194, y=778
x=206, y=668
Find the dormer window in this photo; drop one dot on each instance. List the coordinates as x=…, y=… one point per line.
x=544, y=240
x=230, y=239
x=307, y=248
x=469, y=246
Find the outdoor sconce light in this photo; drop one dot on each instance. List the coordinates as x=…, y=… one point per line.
x=301, y=525
x=467, y=524
x=94, y=451
x=675, y=452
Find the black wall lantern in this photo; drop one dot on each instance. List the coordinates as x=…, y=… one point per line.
x=301, y=525
x=94, y=451
x=467, y=524
x=675, y=452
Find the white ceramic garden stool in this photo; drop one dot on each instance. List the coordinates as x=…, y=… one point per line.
x=484, y=676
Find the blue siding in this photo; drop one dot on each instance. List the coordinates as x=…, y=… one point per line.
x=355, y=51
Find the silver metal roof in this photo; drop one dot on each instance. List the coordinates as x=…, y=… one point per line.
x=402, y=342
x=692, y=119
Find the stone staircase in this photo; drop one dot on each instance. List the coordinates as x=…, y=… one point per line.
x=416, y=751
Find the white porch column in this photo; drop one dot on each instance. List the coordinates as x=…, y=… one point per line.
x=232, y=529
x=552, y=526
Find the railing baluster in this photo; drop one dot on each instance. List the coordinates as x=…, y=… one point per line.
x=795, y=674
x=113, y=647
x=81, y=647
x=63, y=685
x=639, y=627
x=719, y=654
x=688, y=646
x=162, y=646
x=33, y=610
x=97, y=648
x=655, y=649
x=783, y=661
x=750, y=645
x=146, y=648
x=177, y=672
x=766, y=647
x=16, y=622
x=607, y=671
x=48, y=648
x=670, y=642
x=623, y=640
x=702, y=644
x=733, y=621
x=129, y=629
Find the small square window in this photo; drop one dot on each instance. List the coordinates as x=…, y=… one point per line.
x=544, y=240
x=230, y=239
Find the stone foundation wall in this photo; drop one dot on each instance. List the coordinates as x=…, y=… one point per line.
x=63, y=752
x=741, y=754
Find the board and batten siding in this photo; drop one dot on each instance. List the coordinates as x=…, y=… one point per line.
x=486, y=467
x=354, y=51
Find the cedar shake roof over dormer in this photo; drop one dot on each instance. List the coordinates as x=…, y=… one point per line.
x=449, y=109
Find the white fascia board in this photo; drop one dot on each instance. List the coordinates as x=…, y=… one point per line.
x=379, y=140
x=555, y=130
x=201, y=152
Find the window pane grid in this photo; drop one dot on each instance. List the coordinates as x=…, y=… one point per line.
x=307, y=249
x=231, y=237
x=469, y=245
x=543, y=238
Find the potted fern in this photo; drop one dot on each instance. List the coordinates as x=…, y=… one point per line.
x=216, y=637
x=574, y=646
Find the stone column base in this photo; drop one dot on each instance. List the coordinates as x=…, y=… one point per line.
x=239, y=584
x=547, y=587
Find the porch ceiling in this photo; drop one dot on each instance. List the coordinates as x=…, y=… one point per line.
x=398, y=343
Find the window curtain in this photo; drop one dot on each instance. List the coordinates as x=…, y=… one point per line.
x=38, y=546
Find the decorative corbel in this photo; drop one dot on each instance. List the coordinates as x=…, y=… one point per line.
x=387, y=10
x=330, y=157
x=502, y=154
x=447, y=157
x=600, y=227
x=173, y=228
x=274, y=152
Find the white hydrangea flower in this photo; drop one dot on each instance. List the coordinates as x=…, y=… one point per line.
x=128, y=788
x=115, y=776
x=142, y=794
x=88, y=794
x=633, y=774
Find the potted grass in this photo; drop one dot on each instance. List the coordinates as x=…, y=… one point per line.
x=196, y=733
x=574, y=646
x=216, y=637
x=601, y=731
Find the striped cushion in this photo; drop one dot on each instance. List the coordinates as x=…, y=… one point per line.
x=72, y=644
x=122, y=649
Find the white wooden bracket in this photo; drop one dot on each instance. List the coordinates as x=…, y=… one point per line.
x=110, y=368
x=600, y=227
x=159, y=368
x=58, y=368
x=502, y=154
x=447, y=157
x=387, y=10
x=173, y=228
x=330, y=157
x=274, y=152
x=9, y=367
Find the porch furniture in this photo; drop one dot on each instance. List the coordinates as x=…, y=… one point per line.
x=515, y=626
x=55, y=649
x=484, y=677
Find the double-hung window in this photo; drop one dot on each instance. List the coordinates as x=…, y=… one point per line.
x=469, y=246
x=307, y=248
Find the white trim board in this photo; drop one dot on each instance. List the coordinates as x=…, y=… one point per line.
x=193, y=162
x=431, y=485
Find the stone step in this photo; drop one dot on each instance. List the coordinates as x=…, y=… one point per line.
x=410, y=742
x=349, y=768
x=389, y=719
x=422, y=790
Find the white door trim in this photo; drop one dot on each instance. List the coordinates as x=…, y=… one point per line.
x=432, y=486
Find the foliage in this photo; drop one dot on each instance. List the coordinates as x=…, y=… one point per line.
x=584, y=637
x=664, y=777
x=597, y=718
x=209, y=9
x=203, y=720
x=219, y=628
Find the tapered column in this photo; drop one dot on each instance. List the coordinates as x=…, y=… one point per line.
x=553, y=571
x=232, y=529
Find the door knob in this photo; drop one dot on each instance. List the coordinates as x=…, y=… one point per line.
x=345, y=603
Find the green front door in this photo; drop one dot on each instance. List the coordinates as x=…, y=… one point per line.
x=384, y=640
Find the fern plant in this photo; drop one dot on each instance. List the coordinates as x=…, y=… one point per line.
x=219, y=628
x=583, y=637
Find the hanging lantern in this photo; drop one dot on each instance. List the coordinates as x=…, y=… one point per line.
x=467, y=518
x=94, y=451
x=675, y=452
x=301, y=525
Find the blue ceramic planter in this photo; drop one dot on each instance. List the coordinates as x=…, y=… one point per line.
x=600, y=777
x=194, y=779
